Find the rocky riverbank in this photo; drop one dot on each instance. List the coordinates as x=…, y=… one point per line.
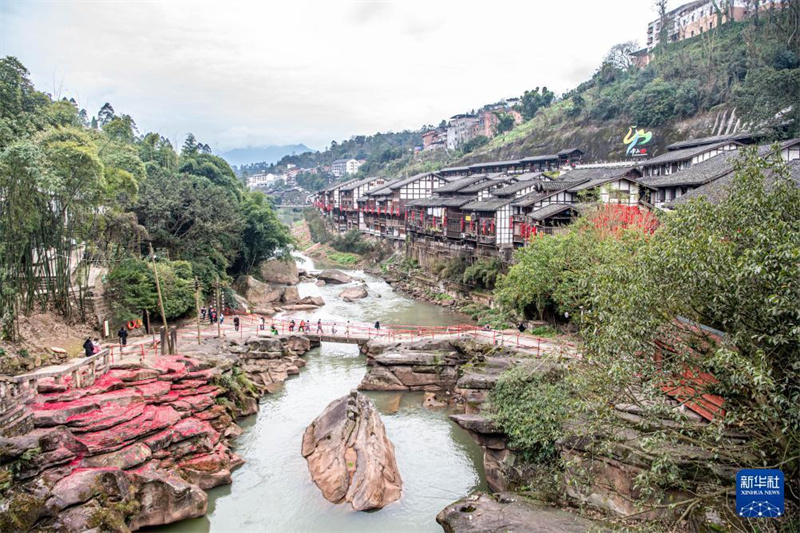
x=139, y=446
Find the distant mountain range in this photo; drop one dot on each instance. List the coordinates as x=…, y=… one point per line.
x=270, y=154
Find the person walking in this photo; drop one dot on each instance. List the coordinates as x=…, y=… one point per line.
x=236, y=323
x=273, y=330
x=263, y=323
x=88, y=346
x=203, y=312
x=123, y=336
x=221, y=319
x=333, y=329
x=302, y=326
x=291, y=325
x=377, y=326
x=319, y=327
x=96, y=345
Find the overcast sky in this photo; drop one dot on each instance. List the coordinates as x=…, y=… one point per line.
x=241, y=74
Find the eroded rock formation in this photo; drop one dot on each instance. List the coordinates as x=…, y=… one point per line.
x=349, y=456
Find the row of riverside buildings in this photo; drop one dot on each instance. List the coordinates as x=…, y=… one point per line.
x=489, y=209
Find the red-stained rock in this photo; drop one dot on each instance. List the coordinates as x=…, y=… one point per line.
x=126, y=458
x=187, y=428
x=46, y=416
x=107, y=416
x=151, y=392
x=188, y=384
x=165, y=498
x=215, y=411
x=136, y=374
x=210, y=390
x=152, y=419
x=195, y=403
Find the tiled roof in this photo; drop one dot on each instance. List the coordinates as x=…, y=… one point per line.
x=405, y=181
x=537, y=158
x=549, y=210
x=486, y=205
x=490, y=164
x=457, y=185
x=591, y=184
x=568, y=151
x=494, y=180
x=703, y=141
x=439, y=202
x=524, y=183
x=682, y=155
x=333, y=186
x=580, y=174
x=358, y=183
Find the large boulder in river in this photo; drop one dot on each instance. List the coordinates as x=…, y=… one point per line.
x=280, y=271
x=349, y=455
x=352, y=294
x=335, y=277
x=257, y=292
x=291, y=295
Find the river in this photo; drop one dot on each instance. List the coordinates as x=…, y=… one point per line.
x=273, y=491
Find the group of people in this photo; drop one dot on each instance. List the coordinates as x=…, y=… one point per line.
x=305, y=326
x=213, y=316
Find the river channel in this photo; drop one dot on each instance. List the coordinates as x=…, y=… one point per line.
x=273, y=491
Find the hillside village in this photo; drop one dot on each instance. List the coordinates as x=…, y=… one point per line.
x=491, y=209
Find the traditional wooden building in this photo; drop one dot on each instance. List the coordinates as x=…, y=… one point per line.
x=677, y=160
x=664, y=190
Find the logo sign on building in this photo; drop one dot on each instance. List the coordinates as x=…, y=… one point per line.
x=637, y=141
x=759, y=493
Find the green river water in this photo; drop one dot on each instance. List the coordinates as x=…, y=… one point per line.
x=273, y=492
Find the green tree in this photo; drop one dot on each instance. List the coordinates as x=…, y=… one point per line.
x=21, y=105
x=263, y=236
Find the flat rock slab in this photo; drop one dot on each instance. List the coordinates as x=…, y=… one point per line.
x=475, y=422
x=509, y=513
x=349, y=456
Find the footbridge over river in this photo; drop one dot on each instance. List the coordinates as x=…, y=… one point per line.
x=349, y=332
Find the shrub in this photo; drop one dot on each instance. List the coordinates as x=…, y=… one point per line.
x=531, y=406
x=483, y=273
x=132, y=288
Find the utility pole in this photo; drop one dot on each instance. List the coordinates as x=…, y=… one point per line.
x=219, y=309
x=161, y=302
x=197, y=305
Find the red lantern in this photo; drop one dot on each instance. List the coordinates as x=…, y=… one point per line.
x=462, y=224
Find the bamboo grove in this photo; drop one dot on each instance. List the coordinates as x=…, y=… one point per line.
x=81, y=196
